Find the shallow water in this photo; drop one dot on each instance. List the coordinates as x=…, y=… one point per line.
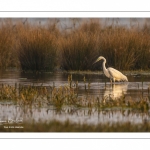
x=94, y=84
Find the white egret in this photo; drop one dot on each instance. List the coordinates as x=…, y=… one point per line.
x=111, y=73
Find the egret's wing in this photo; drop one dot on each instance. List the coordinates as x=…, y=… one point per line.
x=115, y=73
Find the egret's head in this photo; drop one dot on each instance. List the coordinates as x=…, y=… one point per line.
x=99, y=58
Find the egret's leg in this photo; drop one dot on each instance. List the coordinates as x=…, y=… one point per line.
x=110, y=80
x=114, y=80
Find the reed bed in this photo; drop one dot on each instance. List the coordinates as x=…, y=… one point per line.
x=37, y=49
x=7, y=46
x=48, y=47
x=78, y=51
x=125, y=49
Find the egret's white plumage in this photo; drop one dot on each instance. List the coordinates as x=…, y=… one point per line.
x=112, y=73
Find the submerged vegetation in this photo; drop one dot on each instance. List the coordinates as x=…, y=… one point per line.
x=68, y=96
x=38, y=47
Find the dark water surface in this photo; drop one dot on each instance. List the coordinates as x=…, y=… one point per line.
x=96, y=84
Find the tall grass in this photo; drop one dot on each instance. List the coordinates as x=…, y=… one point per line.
x=37, y=49
x=125, y=49
x=79, y=48
x=45, y=47
x=7, y=51
x=78, y=51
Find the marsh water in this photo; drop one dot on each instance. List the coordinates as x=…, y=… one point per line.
x=91, y=84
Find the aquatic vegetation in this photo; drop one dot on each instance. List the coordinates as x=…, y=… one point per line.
x=67, y=95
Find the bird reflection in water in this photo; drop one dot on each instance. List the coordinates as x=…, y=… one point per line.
x=116, y=90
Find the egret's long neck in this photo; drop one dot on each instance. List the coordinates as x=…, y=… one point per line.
x=104, y=67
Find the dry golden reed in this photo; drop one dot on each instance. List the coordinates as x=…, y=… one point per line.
x=46, y=47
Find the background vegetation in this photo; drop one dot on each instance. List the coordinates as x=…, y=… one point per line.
x=47, y=47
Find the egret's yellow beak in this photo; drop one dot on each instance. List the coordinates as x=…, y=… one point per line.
x=98, y=59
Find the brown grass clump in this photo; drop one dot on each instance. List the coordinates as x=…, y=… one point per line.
x=90, y=26
x=7, y=41
x=124, y=48
x=37, y=49
x=78, y=51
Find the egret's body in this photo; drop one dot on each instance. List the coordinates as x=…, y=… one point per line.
x=112, y=73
